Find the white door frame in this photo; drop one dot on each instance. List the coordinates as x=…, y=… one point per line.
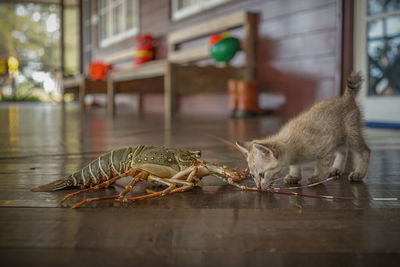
x=378, y=110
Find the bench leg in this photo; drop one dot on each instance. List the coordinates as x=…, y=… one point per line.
x=169, y=94
x=110, y=95
x=82, y=93
x=139, y=103
x=62, y=98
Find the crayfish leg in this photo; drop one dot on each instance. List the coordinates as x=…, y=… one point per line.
x=187, y=186
x=150, y=191
x=168, y=190
x=182, y=188
x=97, y=187
x=128, y=188
x=88, y=200
x=155, y=194
x=151, y=194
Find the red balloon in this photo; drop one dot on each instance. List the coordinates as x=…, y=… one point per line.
x=98, y=70
x=214, y=38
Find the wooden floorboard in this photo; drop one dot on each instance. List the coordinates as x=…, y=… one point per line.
x=212, y=225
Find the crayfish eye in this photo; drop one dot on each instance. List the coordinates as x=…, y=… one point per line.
x=197, y=154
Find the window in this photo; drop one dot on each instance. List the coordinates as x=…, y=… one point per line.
x=377, y=55
x=184, y=8
x=118, y=20
x=383, y=47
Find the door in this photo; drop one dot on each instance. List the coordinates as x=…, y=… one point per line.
x=377, y=55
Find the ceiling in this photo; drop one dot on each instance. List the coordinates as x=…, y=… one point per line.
x=66, y=2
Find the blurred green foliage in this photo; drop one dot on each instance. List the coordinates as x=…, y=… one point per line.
x=31, y=33
x=24, y=34
x=26, y=98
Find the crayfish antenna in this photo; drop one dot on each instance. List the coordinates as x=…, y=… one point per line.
x=53, y=186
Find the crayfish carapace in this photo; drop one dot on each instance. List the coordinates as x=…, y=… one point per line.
x=179, y=170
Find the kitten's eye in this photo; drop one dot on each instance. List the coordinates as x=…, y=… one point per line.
x=261, y=174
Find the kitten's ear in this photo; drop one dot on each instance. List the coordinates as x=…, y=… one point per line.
x=243, y=147
x=267, y=150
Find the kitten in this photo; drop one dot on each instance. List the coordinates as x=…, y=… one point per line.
x=330, y=127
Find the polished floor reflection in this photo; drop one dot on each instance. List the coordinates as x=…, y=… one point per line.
x=215, y=224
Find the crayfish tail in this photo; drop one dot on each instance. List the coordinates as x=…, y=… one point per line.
x=53, y=186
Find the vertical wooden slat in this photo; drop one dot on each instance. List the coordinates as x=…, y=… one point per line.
x=82, y=92
x=347, y=41
x=139, y=103
x=250, y=34
x=110, y=94
x=81, y=37
x=170, y=93
x=62, y=32
x=62, y=38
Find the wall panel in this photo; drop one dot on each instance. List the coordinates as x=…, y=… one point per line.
x=298, y=46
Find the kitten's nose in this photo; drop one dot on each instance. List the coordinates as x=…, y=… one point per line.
x=258, y=184
x=267, y=184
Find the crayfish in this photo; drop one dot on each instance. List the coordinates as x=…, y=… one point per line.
x=179, y=170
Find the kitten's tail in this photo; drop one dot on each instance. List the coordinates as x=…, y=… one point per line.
x=354, y=84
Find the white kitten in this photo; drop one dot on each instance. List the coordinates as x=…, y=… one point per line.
x=330, y=127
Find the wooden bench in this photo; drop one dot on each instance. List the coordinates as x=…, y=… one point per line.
x=81, y=86
x=71, y=85
x=146, y=78
x=178, y=74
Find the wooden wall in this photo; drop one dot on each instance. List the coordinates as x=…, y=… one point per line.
x=298, y=47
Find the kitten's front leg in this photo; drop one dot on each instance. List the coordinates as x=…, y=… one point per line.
x=294, y=175
x=319, y=171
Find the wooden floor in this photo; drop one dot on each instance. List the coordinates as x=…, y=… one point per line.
x=213, y=225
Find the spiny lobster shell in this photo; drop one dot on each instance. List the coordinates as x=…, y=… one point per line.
x=159, y=161
x=164, y=156
x=163, y=162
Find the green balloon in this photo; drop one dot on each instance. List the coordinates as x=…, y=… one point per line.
x=225, y=50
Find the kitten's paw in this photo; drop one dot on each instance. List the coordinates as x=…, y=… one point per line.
x=289, y=179
x=335, y=172
x=355, y=177
x=314, y=179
